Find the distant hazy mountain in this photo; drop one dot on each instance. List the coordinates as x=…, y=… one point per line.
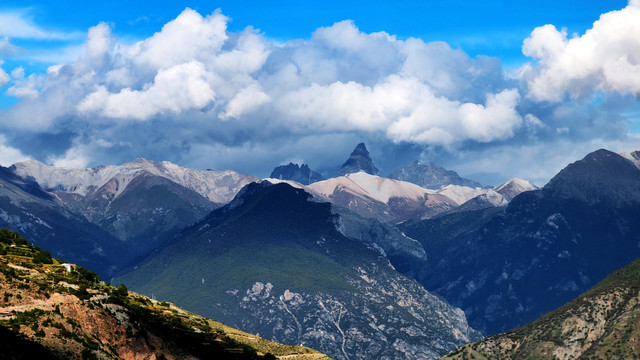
x=601, y=323
x=217, y=186
x=506, y=268
x=141, y=202
x=431, y=176
x=295, y=172
x=480, y=198
x=359, y=160
x=273, y=262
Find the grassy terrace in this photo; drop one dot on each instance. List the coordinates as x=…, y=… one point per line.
x=77, y=316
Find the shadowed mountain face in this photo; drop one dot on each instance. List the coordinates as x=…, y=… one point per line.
x=274, y=262
x=601, y=323
x=24, y=206
x=140, y=204
x=359, y=160
x=430, y=176
x=294, y=172
x=506, y=268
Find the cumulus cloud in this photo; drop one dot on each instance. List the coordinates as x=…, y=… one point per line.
x=8, y=154
x=194, y=88
x=178, y=88
x=605, y=58
x=74, y=158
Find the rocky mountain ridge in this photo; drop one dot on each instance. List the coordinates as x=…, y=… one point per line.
x=217, y=186
x=601, y=323
x=284, y=270
x=546, y=247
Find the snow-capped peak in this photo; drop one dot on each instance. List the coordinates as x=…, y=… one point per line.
x=462, y=194
x=373, y=186
x=217, y=186
x=514, y=187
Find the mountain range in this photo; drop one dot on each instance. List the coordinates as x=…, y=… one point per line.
x=277, y=255
x=539, y=252
x=358, y=265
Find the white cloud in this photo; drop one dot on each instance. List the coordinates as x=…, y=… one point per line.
x=533, y=122
x=4, y=77
x=439, y=121
x=18, y=25
x=17, y=73
x=246, y=101
x=196, y=87
x=24, y=87
x=10, y=155
x=174, y=90
x=189, y=37
x=75, y=157
x=605, y=58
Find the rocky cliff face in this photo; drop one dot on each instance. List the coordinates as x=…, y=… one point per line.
x=601, y=323
x=359, y=160
x=274, y=262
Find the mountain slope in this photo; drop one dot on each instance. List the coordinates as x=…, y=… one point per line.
x=273, y=262
x=55, y=313
x=142, y=203
x=601, y=323
x=359, y=160
x=431, y=176
x=26, y=207
x=544, y=249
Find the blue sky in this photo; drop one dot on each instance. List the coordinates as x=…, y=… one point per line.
x=444, y=81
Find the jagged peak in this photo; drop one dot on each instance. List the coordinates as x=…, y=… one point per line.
x=217, y=186
x=359, y=160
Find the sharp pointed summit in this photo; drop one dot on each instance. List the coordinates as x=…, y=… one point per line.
x=359, y=160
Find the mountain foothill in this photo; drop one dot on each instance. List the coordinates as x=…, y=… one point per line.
x=416, y=265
